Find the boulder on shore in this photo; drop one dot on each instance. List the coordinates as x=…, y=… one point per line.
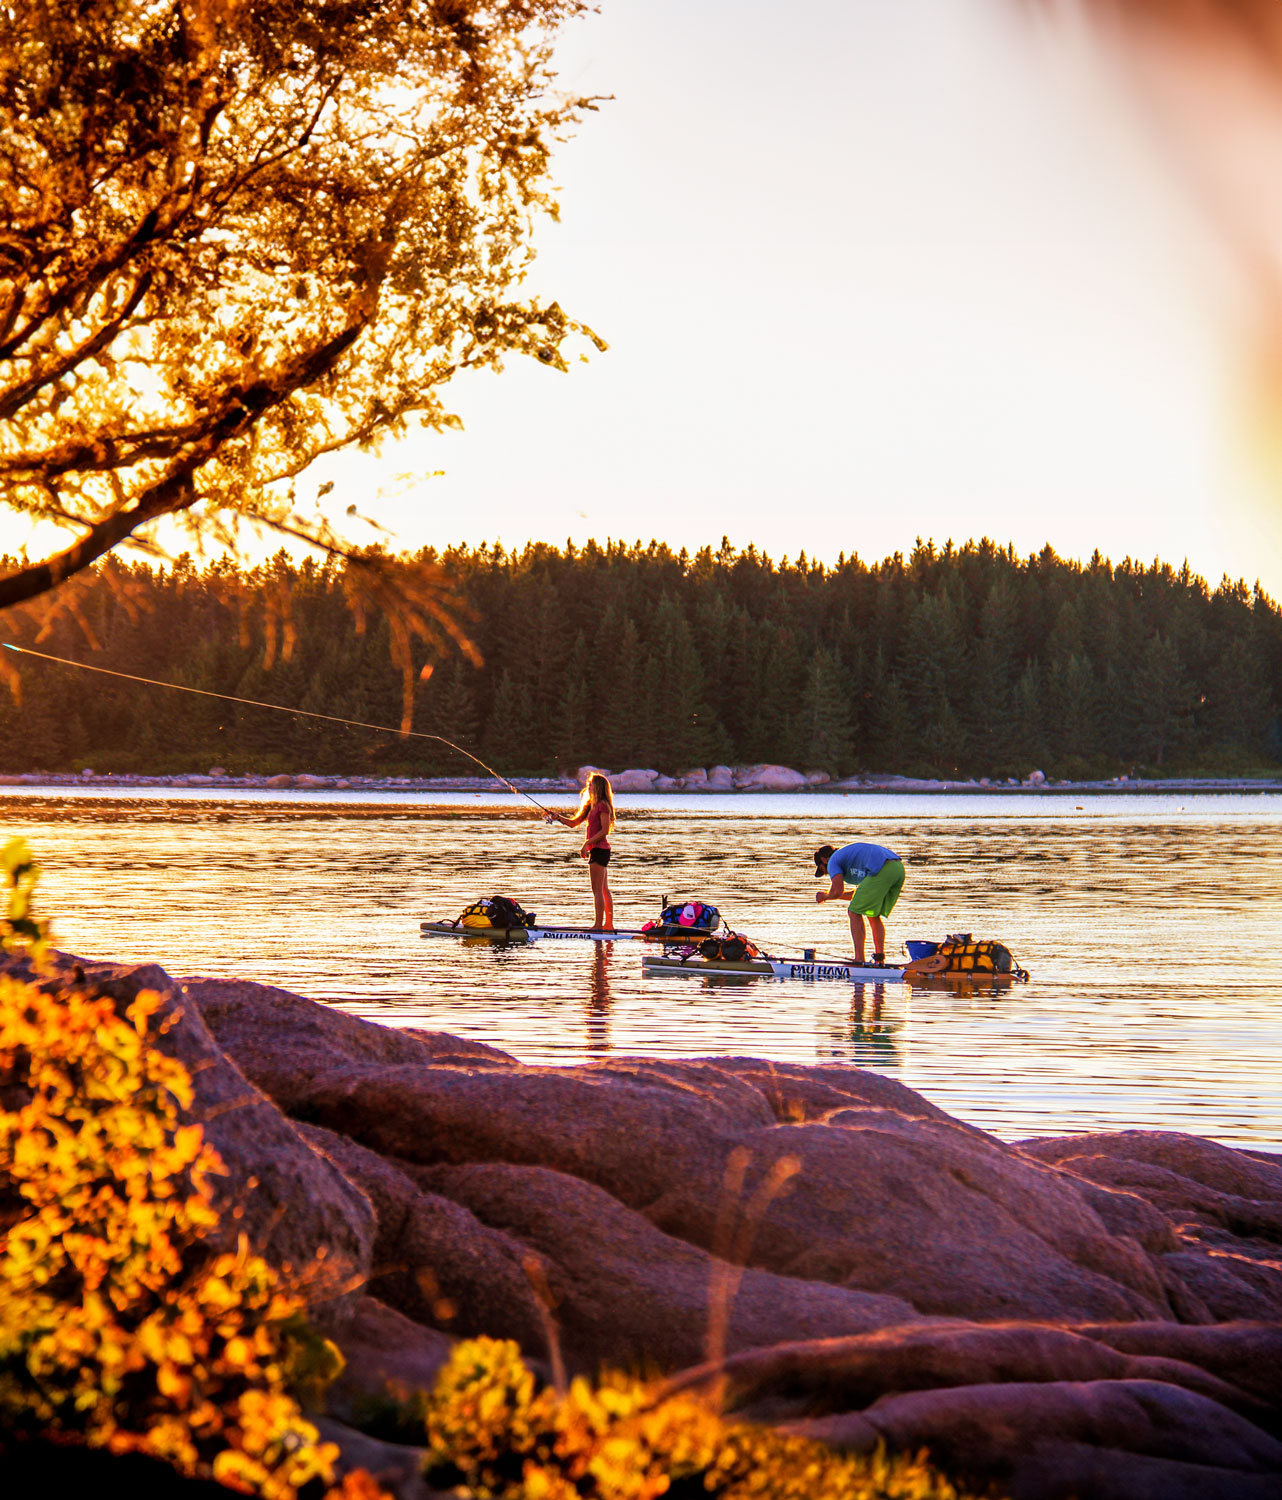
x=637, y=781
x=769, y=779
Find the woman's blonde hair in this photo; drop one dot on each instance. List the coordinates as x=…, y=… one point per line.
x=598, y=789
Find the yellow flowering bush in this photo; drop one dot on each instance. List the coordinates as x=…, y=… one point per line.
x=119, y=1326
x=492, y=1435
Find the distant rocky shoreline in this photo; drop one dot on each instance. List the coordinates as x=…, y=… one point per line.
x=714, y=780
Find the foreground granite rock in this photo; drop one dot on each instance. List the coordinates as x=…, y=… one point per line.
x=903, y=1203
x=1097, y=1316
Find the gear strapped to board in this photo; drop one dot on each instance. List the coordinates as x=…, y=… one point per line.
x=729, y=947
x=966, y=955
x=962, y=955
x=495, y=911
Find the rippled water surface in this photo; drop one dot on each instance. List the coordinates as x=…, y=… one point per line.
x=1152, y=927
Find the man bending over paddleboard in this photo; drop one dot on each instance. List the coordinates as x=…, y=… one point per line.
x=877, y=876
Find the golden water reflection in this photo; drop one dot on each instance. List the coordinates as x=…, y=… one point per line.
x=1152, y=929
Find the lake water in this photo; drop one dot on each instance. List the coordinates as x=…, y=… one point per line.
x=1152, y=927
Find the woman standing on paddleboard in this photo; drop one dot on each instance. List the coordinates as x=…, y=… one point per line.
x=597, y=809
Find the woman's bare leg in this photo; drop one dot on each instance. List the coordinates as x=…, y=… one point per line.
x=608, y=899
x=600, y=896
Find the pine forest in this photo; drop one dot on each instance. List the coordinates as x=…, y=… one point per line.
x=966, y=661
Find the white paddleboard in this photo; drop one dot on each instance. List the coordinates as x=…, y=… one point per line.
x=555, y=934
x=781, y=968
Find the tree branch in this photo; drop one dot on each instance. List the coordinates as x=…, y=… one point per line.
x=172, y=494
x=177, y=492
x=14, y=400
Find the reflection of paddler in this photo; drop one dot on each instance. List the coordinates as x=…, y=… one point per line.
x=598, y=1012
x=858, y=1031
x=876, y=875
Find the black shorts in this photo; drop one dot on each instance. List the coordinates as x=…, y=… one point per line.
x=599, y=857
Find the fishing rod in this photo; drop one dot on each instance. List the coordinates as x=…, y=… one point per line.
x=305, y=713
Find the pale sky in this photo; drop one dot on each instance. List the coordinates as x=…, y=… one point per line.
x=869, y=269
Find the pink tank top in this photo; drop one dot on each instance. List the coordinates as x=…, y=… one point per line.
x=598, y=818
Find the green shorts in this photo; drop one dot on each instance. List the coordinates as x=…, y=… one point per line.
x=875, y=896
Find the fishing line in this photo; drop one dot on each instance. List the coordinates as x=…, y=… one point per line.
x=281, y=708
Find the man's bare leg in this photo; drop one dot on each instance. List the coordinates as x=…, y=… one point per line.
x=857, y=934
x=878, y=935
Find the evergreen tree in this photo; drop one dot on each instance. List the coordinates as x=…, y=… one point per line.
x=674, y=681
x=936, y=648
x=573, y=733
x=1072, y=708
x=507, y=736
x=742, y=684
x=1029, y=727
x=620, y=725
x=37, y=735
x=1111, y=724
x=825, y=741
x=715, y=632
x=1159, y=707
x=943, y=742
x=995, y=670
x=447, y=707
x=1237, y=703
x=783, y=675
x=893, y=730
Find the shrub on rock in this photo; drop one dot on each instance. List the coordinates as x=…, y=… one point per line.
x=117, y=1328
x=491, y=1432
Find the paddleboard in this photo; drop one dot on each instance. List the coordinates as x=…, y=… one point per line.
x=780, y=968
x=555, y=934
x=930, y=972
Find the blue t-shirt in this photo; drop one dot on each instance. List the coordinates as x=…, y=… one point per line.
x=857, y=862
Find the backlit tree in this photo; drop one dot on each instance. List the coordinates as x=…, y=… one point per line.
x=236, y=235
